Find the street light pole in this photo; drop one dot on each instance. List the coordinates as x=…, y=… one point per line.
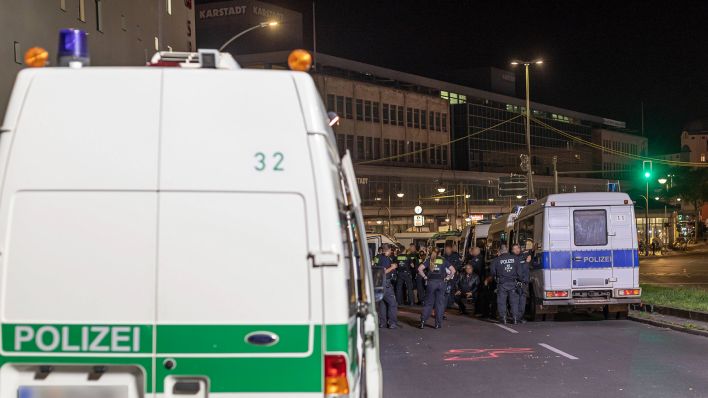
x=260, y=25
x=529, y=173
x=646, y=222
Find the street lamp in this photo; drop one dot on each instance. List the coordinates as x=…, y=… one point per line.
x=400, y=194
x=529, y=172
x=662, y=181
x=491, y=200
x=260, y=25
x=519, y=196
x=441, y=189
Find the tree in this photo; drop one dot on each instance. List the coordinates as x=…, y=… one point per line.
x=691, y=185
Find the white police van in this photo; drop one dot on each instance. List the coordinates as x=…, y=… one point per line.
x=584, y=248
x=133, y=206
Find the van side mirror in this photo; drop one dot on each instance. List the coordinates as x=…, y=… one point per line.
x=379, y=276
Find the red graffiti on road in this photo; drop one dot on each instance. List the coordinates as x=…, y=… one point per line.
x=478, y=354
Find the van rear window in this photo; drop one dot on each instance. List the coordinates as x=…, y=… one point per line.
x=590, y=227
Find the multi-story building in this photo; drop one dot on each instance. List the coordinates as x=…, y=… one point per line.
x=694, y=141
x=125, y=32
x=615, y=166
x=385, y=113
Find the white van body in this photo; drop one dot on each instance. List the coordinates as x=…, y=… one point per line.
x=500, y=233
x=584, y=249
x=420, y=239
x=374, y=241
x=134, y=208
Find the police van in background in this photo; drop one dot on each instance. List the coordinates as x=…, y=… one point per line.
x=584, y=249
x=133, y=209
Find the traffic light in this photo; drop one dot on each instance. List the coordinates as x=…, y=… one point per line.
x=646, y=168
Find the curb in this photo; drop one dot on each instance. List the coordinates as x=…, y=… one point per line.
x=671, y=326
x=687, y=314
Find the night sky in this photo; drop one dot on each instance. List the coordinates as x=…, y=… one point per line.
x=601, y=57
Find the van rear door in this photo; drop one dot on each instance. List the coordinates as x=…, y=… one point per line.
x=591, y=251
x=623, y=242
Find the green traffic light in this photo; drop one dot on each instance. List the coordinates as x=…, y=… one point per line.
x=647, y=174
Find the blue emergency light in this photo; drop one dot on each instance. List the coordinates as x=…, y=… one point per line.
x=73, y=48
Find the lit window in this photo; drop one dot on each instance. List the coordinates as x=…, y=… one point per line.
x=703, y=157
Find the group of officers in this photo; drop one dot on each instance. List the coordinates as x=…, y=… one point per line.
x=441, y=279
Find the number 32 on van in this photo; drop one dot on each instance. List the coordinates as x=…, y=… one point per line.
x=77, y=338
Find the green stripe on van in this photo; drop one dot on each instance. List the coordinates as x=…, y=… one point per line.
x=215, y=339
x=273, y=375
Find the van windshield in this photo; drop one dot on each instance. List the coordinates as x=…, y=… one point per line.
x=590, y=227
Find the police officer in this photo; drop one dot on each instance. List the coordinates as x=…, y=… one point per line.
x=466, y=288
x=475, y=259
x=522, y=288
x=452, y=257
x=439, y=272
x=506, y=269
x=404, y=281
x=388, y=308
x=419, y=281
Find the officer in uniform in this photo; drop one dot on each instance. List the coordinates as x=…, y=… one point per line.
x=452, y=257
x=506, y=269
x=439, y=272
x=388, y=308
x=523, y=285
x=476, y=261
x=419, y=280
x=404, y=278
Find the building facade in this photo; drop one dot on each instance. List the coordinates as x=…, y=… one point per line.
x=384, y=113
x=125, y=32
x=695, y=145
x=614, y=166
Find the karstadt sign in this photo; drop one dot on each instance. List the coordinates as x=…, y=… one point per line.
x=219, y=21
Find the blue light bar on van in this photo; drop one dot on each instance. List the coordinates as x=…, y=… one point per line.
x=73, y=48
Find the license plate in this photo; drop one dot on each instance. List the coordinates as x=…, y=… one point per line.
x=72, y=392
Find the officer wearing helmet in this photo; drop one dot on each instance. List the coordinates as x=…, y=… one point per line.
x=388, y=308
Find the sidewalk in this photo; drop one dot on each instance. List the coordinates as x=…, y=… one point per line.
x=670, y=322
x=697, y=248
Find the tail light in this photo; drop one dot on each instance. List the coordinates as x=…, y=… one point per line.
x=335, y=372
x=551, y=294
x=629, y=292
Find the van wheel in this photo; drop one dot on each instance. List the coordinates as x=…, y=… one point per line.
x=622, y=314
x=606, y=312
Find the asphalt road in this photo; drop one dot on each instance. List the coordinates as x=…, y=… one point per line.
x=578, y=356
x=690, y=269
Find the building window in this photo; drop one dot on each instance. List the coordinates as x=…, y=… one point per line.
x=359, y=110
x=433, y=158
x=394, y=150
x=330, y=103
x=348, y=105
x=360, y=153
x=99, y=15
x=409, y=117
x=400, y=116
x=350, y=143
x=418, y=154
x=82, y=10
x=385, y=113
x=416, y=118
x=369, y=148
x=367, y=111
x=437, y=121
x=401, y=149
x=424, y=120
x=703, y=157
x=341, y=144
x=18, y=53
x=376, y=112
x=425, y=152
x=431, y=123
x=444, y=122
x=340, y=106
x=377, y=148
x=386, y=148
x=444, y=155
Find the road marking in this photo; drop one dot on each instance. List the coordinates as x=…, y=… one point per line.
x=557, y=351
x=508, y=329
